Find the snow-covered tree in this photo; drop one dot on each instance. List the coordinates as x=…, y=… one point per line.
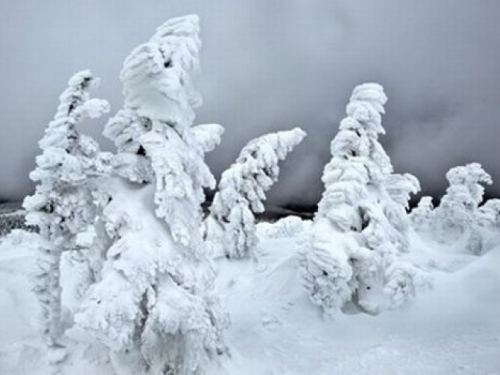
x=125, y=129
x=488, y=215
x=399, y=188
x=463, y=196
x=456, y=214
x=422, y=216
x=488, y=224
x=287, y=227
x=230, y=227
x=62, y=205
x=154, y=299
x=359, y=235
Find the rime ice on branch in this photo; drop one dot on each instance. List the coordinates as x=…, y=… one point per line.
x=62, y=205
x=359, y=232
x=231, y=224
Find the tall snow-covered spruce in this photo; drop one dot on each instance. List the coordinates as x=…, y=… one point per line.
x=154, y=301
x=230, y=227
x=62, y=206
x=359, y=235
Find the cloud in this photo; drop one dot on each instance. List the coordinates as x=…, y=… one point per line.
x=269, y=66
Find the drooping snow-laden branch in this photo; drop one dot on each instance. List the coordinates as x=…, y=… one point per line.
x=230, y=226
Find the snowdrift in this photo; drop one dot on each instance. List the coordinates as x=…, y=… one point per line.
x=275, y=329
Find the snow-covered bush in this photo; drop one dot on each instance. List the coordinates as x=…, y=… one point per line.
x=422, y=216
x=458, y=206
x=154, y=296
x=489, y=214
x=359, y=235
x=488, y=222
x=62, y=205
x=290, y=226
x=457, y=214
x=460, y=219
x=230, y=227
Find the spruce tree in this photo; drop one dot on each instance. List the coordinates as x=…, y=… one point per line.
x=154, y=299
x=241, y=191
x=63, y=203
x=456, y=215
x=359, y=234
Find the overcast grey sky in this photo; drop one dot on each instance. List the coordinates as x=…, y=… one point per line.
x=272, y=65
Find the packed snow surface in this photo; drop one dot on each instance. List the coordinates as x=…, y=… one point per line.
x=454, y=328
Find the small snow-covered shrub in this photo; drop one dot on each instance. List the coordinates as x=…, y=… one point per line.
x=458, y=218
x=458, y=206
x=489, y=214
x=290, y=226
x=422, y=216
x=488, y=220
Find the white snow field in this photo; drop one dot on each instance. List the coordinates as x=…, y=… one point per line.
x=453, y=328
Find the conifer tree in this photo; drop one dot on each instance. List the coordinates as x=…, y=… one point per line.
x=154, y=299
x=241, y=192
x=359, y=232
x=62, y=205
x=489, y=215
x=457, y=212
x=422, y=216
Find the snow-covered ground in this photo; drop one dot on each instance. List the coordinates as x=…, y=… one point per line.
x=454, y=328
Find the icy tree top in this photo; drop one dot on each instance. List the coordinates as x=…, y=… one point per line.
x=425, y=203
x=401, y=186
x=365, y=108
x=157, y=75
x=231, y=224
x=457, y=207
x=159, y=95
x=360, y=174
x=275, y=146
x=358, y=136
x=68, y=155
x=255, y=170
x=68, y=159
x=74, y=105
x=471, y=176
x=357, y=156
